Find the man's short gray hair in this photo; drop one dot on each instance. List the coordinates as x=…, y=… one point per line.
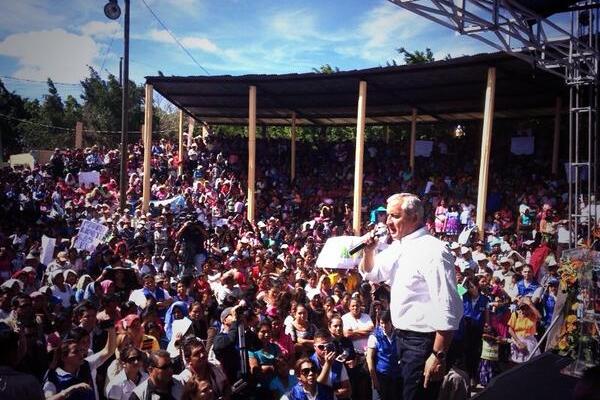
x=410, y=204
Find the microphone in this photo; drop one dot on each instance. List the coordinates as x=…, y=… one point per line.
x=379, y=232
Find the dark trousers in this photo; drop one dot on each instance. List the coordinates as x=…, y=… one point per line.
x=390, y=386
x=414, y=349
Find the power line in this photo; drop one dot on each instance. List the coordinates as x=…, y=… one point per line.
x=174, y=38
x=14, y=78
x=107, y=50
x=8, y=117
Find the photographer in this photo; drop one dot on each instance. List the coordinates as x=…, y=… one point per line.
x=191, y=237
x=225, y=344
x=330, y=372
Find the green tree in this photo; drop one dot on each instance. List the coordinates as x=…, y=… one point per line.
x=12, y=107
x=417, y=57
x=101, y=109
x=326, y=69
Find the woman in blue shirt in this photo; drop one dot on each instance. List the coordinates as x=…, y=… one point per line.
x=475, y=307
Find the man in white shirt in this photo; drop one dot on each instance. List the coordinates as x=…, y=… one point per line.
x=357, y=326
x=425, y=306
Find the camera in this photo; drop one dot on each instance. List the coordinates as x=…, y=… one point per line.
x=330, y=347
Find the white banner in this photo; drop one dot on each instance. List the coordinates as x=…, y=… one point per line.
x=423, y=148
x=86, y=178
x=336, y=252
x=47, y=252
x=522, y=145
x=90, y=235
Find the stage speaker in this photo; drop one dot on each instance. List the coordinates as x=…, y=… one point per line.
x=537, y=379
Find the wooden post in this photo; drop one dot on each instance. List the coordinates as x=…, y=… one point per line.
x=387, y=134
x=251, y=151
x=191, y=125
x=556, y=136
x=358, y=158
x=293, y=149
x=486, y=146
x=413, y=138
x=143, y=133
x=180, y=148
x=147, y=148
x=79, y=135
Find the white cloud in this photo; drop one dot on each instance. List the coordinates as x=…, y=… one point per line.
x=200, y=44
x=384, y=29
x=55, y=53
x=17, y=16
x=190, y=42
x=98, y=29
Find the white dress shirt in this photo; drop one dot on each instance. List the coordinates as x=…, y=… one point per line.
x=420, y=269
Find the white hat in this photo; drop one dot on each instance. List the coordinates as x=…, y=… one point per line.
x=519, y=264
x=454, y=246
x=479, y=257
x=505, y=260
x=464, y=250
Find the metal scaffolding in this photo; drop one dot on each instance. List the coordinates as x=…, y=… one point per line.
x=570, y=53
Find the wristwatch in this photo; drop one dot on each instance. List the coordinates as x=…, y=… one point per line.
x=440, y=355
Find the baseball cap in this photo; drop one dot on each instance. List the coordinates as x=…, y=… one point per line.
x=225, y=313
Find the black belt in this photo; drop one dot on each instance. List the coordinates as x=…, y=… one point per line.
x=404, y=333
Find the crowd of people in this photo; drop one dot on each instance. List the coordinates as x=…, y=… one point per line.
x=190, y=300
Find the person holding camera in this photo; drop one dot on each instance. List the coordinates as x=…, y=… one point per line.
x=308, y=386
x=330, y=372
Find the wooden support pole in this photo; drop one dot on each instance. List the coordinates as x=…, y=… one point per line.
x=358, y=158
x=486, y=146
x=143, y=133
x=387, y=134
x=180, y=148
x=251, y=152
x=413, y=138
x=147, y=147
x=556, y=144
x=79, y=135
x=293, y=149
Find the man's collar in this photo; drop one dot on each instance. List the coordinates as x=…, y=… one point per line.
x=416, y=234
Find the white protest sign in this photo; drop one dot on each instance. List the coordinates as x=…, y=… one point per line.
x=22, y=159
x=47, y=252
x=85, y=178
x=90, y=235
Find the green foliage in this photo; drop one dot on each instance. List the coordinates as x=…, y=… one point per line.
x=326, y=69
x=418, y=57
x=101, y=110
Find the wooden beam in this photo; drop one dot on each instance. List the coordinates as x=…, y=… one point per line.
x=358, y=158
x=251, y=153
x=413, y=138
x=142, y=134
x=79, y=135
x=180, y=144
x=387, y=134
x=556, y=144
x=486, y=146
x=293, y=149
x=147, y=147
x=191, y=125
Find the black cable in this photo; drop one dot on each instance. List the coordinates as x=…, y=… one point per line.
x=174, y=38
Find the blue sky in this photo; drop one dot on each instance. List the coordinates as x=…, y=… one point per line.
x=59, y=38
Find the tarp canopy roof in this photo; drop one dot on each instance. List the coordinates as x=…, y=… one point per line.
x=449, y=90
